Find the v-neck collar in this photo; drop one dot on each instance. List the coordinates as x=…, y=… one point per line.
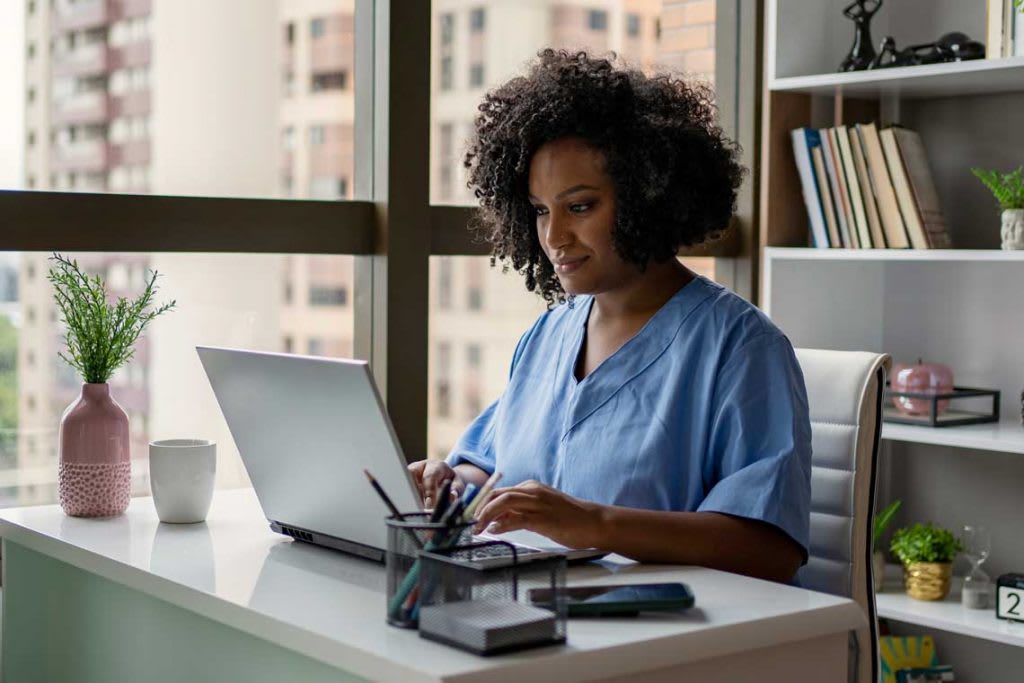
x=633, y=357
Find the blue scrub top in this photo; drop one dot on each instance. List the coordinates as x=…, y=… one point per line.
x=704, y=409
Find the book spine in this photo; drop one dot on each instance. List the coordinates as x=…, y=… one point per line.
x=853, y=187
x=804, y=140
x=867, y=189
x=835, y=182
x=831, y=221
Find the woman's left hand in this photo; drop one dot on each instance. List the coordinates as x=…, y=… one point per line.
x=531, y=505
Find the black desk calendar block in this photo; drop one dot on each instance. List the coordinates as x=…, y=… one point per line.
x=1010, y=597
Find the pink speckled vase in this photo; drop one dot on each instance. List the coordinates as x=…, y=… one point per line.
x=95, y=458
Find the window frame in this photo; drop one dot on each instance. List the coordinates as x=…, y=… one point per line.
x=391, y=227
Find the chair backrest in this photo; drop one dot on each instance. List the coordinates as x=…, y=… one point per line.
x=844, y=394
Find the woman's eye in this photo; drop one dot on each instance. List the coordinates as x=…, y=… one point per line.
x=540, y=210
x=578, y=208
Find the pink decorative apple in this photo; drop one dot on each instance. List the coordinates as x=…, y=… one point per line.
x=924, y=378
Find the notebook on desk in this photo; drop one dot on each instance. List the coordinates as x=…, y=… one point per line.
x=306, y=428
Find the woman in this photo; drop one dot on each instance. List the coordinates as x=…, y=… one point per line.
x=649, y=412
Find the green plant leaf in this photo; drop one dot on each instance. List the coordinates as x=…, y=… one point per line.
x=924, y=543
x=100, y=336
x=1007, y=188
x=883, y=520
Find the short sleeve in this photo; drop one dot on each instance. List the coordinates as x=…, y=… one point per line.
x=475, y=446
x=759, y=453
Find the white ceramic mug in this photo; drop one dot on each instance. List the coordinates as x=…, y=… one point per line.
x=181, y=474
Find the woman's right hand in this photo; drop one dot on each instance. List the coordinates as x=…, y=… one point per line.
x=430, y=476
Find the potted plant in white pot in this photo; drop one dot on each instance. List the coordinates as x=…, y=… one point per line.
x=1008, y=189
x=95, y=459
x=927, y=554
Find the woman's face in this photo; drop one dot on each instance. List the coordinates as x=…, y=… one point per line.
x=574, y=199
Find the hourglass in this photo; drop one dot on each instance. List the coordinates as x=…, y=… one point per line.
x=977, y=584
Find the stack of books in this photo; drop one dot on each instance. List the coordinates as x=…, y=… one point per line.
x=1004, y=35
x=867, y=188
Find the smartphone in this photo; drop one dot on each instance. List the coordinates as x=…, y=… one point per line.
x=621, y=600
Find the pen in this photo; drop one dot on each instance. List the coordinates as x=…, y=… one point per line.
x=391, y=506
x=444, y=498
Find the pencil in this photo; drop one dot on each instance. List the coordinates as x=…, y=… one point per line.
x=483, y=496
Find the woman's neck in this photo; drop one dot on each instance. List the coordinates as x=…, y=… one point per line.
x=644, y=295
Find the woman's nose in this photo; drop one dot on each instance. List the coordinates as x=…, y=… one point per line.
x=557, y=235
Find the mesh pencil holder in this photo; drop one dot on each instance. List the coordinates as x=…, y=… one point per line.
x=407, y=537
x=515, y=605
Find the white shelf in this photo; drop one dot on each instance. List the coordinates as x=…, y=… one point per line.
x=948, y=615
x=1005, y=437
x=975, y=77
x=933, y=255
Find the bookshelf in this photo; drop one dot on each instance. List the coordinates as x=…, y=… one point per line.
x=947, y=615
x=962, y=306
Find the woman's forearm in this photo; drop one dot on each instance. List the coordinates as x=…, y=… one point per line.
x=471, y=474
x=708, y=539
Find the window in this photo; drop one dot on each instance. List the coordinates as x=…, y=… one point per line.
x=316, y=135
x=477, y=19
x=314, y=346
x=446, y=73
x=447, y=29
x=444, y=283
x=316, y=27
x=227, y=95
x=473, y=356
x=597, y=20
x=328, y=296
x=333, y=80
x=443, y=381
x=289, y=345
x=476, y=75
x=31, y=139
x=633, y=25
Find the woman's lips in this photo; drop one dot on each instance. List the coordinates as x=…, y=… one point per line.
x=569, y=266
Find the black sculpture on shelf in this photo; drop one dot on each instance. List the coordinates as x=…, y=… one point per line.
x=951, y=47
x=863, y=52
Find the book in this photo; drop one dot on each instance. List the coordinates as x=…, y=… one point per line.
x=995, y=12
x=866, y=189
x=888, y=207
x=857, y=208
x=831, y=222
x=805, y=140
x=828, y=152
x=929, y=208
x=904, y=195
x=1018, y=33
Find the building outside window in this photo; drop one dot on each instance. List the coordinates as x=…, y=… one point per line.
x=447, y=29
x=477, y=19
x=328, y=296
x=476, y=75
x=317, y=27
x=633, y=25
x=597, y=20
x=442, y=385
x=447, y=76
x=332, y=80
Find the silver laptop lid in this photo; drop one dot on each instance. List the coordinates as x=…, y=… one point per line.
x=306, y=428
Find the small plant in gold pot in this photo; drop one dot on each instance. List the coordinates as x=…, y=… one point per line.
x=927, y=554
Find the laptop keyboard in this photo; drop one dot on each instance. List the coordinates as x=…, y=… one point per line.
x=498, y=551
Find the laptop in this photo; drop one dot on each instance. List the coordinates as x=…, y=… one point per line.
x=306, y=428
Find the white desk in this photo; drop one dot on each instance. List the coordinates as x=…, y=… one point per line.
x=130, y=599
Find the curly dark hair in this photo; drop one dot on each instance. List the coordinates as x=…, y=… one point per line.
x=674, y=172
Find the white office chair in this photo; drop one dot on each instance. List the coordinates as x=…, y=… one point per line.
x=844, y=394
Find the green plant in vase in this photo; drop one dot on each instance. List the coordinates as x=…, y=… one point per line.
x=882, y=521
x=1008, y=189
x=927, y=554
x=95, y=458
